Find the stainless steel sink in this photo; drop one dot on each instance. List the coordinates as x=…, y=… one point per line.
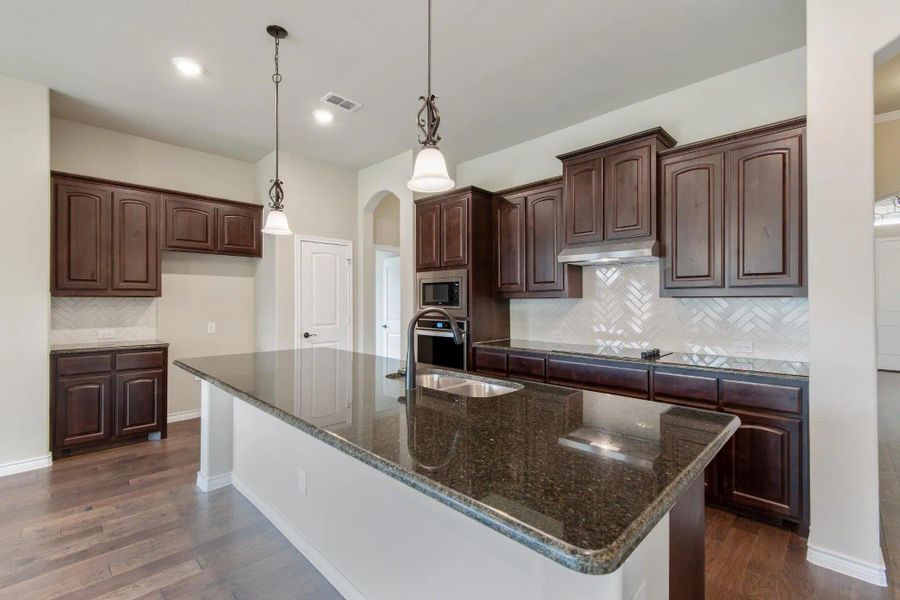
x=464, y=386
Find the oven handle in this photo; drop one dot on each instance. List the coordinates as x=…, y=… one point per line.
x=436, y=333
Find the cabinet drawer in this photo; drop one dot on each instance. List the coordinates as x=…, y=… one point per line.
x=490, y=361
x=85, y=363
x=140, y=360
x=528, y=366
x=599, y=376
x=765, y=396
x=678, y=387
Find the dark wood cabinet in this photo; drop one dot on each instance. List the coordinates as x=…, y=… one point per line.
x=82, y=410
x=190, y=224
x=604, y=376
x=454, y=234
x=428, y=236
x=82, y=216
x=107, y=236
x=609, y=191
x=135, y=241
x=734, y=214
x=238, y=230
x=528, y=237
x=138, y=402
x=100, y=399
x=761, y=464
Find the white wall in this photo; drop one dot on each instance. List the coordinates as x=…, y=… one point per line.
x=373, y=183
x=766, y=91
x=196, y=288
x=387, y=221
x=621, y=305
x=25, y=248
x=842, y=39
x=319, y=201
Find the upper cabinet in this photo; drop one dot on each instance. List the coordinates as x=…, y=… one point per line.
x=734, y=215
x=528, y=237
x=107, y=236
x=609, y=191
x=442, y=230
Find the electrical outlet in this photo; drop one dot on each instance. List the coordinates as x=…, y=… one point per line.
x=211, y=327
x=105, y=334
x=301, y=481
x=742, y=347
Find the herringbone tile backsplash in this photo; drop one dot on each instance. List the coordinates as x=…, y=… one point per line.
x=621, y=307
x=76, y=320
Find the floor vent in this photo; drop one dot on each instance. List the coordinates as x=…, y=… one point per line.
x=340, y=102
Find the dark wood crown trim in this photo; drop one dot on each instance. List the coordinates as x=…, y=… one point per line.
x=453, y=193
x=534, y=185
x=737, y=135
x=658, y=132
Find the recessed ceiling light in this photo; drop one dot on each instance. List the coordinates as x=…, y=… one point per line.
x=187, y=67
x=323, y=116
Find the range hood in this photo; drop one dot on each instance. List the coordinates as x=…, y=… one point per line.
x=605, y=253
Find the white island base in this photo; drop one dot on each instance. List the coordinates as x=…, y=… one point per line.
x=375, y=538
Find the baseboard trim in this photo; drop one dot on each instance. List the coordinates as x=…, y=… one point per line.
x=184, y=415
x=28, y=464
x=208, y=484
x=328, y=570
x=846, y=565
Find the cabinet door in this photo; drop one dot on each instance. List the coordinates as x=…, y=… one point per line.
x=693, y=225
x=627, y=192
x=139, y=397
x=761, y=464
x=509, y=236
x=428, y=236
x=583, y=201
x=238, y=230
x=190, y=224
x=764, y=210
x=81, y=410
x=135, y=243
x=454, y=235
x=81, y=237
x=543, y=218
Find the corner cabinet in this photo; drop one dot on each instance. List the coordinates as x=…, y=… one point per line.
x=609, y=191
x=102, y=398
x=733, y=215
x=107, y=236
x=528, y=237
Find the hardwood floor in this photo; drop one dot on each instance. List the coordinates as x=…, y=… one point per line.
x=129, y=523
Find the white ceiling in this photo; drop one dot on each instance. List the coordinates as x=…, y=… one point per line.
x=504, y=70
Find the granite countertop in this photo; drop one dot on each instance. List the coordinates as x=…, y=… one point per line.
x=106, y=345
x=761, y=366
x=579, y=477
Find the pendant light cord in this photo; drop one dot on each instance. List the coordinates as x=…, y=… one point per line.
x=429, y=48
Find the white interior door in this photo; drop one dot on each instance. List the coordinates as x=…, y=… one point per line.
x=390, y=307
x=325, y=315
x=324, y=324
x=887, y=302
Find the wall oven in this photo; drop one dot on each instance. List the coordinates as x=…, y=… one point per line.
x=443, y=289
x=435, y=345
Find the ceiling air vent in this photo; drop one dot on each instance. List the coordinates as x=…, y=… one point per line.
x=340, y=102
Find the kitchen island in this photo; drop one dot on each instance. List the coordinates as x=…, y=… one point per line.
x=544, y=492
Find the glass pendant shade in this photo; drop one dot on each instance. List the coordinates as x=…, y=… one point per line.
x=430, y=172
x=277, y=223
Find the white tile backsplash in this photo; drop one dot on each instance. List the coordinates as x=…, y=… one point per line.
x=622, y=307
x=77, y=320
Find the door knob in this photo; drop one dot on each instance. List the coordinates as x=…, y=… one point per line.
x=384, y=326
x=307, y=334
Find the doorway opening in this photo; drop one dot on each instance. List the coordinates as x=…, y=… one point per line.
x=387, y=288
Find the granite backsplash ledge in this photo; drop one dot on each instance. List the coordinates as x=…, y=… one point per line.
x=621, y=306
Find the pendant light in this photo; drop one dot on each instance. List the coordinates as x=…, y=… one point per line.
x=430, y=171
x=276, y=220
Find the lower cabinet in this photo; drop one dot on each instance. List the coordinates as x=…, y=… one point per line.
x=762, y=471
x=100, y=399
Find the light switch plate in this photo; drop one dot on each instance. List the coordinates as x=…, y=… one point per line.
x=105, y=334
x=211, y=327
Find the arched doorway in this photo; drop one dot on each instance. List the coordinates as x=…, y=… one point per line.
x=387, y=276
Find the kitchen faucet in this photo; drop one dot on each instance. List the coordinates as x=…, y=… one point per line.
x=410, y=371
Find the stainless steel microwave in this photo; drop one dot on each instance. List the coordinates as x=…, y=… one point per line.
x=443, y=289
